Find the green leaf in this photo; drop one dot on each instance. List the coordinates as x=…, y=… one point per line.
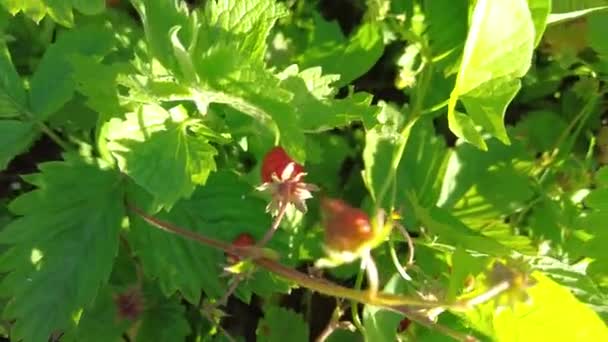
x=264, y=284
x=554, y=314
x=540, y=130
x=601, y=176
x=59, y=10
x=327, y=153
x=164, y=319
x=447, y=25
x=469, y=166
x=52, y=84
x=463, y=266
x=62, y=247
x=12, y=94
x=596, y=32
x=4, y=18
x=381, y=324
x=98, y=83
x=315, y=107
x=503, y=197
x=497, y=52
x=448, y=229
x=349, y=58
x=158, y=17
x=566, y=10
x=342, y=335
x=159, y=150
x=15, y=138
x=578, y=279
x=419, y=169
x=89, y=7
x=540, y=10
x=598, y=199
x=249, y=19
x=33, y=9
x=281, y=324
x=381, y=143
x=100, y=322
x=228, y=72
x=222, y=209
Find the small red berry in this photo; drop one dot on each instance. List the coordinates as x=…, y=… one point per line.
x=242, y=240
x=129, y=304
x=346, y=228
x=404, y=324
x=276, y=162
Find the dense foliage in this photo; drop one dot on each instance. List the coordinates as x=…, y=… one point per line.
x=294, y=170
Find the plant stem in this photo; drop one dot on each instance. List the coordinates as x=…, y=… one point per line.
x=304, y=280
x=333, y=323
x=274, y=226
x=43, y=127
x=233, y=286
x=354, y=305
x=53, y=136
x=373, y=285
x=396, y=262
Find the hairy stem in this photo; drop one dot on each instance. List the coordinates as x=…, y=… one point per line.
x=304, y=280
x=275, y=225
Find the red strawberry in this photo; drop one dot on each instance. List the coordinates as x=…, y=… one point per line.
x=275, y=162
x=346, y=228
x=242, y=240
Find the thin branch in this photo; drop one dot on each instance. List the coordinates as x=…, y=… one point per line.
x=354, y=305
x=367, y=262
x=410, y=243
x=316, y=284
x=334, y=324
x=239, y=277
x=274, y=226
x=396, y=262
x=233, y=286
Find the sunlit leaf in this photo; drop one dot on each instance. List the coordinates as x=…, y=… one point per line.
x=158, y=149
x=553, y=313
x=62, y=246
x=497, y=53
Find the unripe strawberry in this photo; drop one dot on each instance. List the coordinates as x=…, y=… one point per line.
x=275, y=163
x=242, y=240
x=346, y=228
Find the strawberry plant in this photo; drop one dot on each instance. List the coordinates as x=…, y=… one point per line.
x=272, y=170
